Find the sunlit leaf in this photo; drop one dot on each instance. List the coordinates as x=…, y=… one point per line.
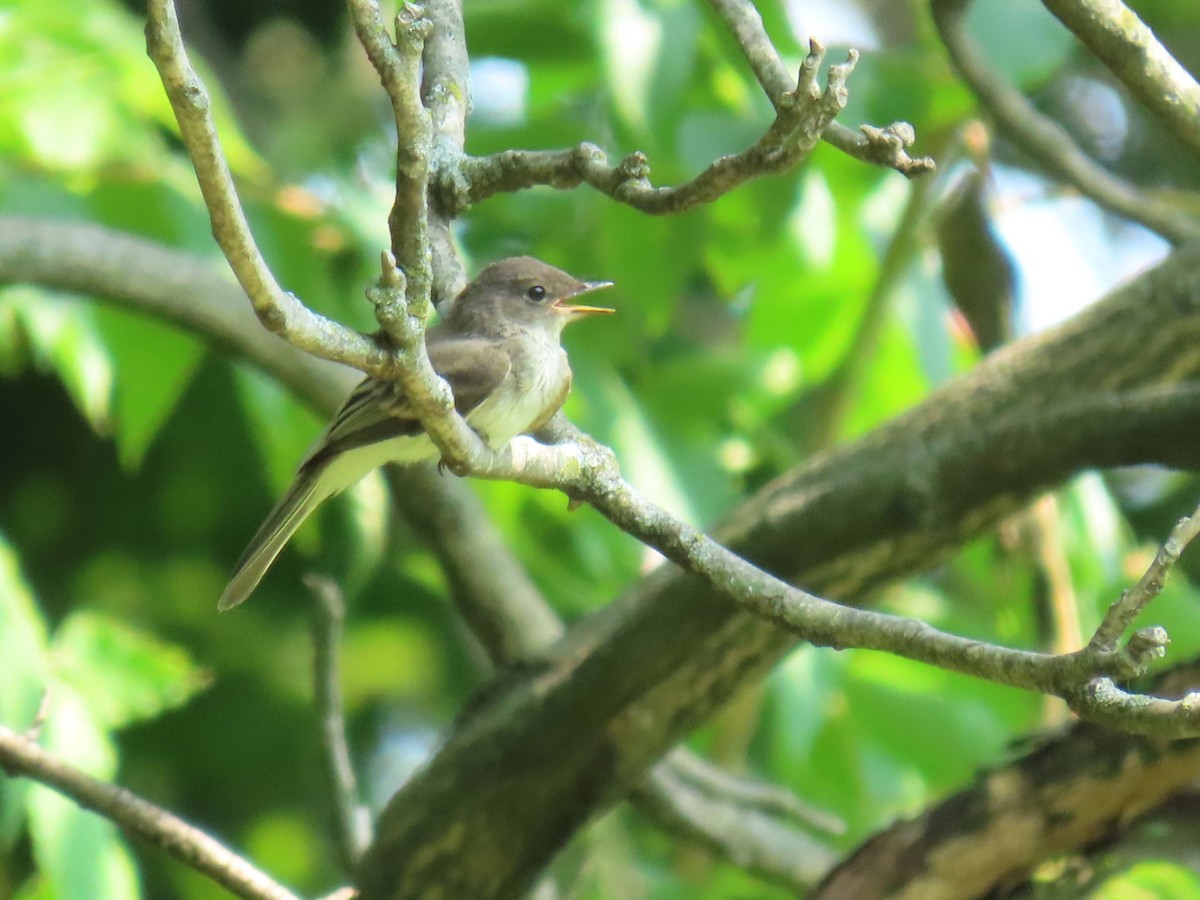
x=121, y=674
x=23, y=675
x=79, y=852
x=154, y=366
x=63, y=338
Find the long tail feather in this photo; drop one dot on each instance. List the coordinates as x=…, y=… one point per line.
x=288, y=515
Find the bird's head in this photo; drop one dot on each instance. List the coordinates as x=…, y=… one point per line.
x=522, y=293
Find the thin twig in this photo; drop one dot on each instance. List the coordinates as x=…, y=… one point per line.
x=1122, y=613
x=769, y=799
x=803, y=114
x=352, y=820
x=446, y=93
x=398, y=64
x=1123, y=42
x=881, y=146
x=20, y=756
x=1047, y=141
x=587, y=471
x=753, y=840
x=278, y=310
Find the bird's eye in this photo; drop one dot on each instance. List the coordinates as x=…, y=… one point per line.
x=537, y=292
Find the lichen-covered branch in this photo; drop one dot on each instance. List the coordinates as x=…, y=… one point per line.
x=1123, y=42
x=802, y=115
x=1047, y=141
x=21, y=756
x=1123, y=612
x=886, y=146
x=398, y=63
x=1075, y=789
x=446, y=93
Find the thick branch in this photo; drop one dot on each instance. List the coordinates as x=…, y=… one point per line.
x=1047, y=141
x=628, y=682
x=21, y=756
x=1129, y=49
x=1075, y=789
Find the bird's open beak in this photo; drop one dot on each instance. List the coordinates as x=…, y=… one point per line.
x=585, y=287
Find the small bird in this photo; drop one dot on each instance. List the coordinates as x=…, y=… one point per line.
x=498, y=346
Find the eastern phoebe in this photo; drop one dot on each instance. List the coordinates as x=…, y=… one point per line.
x=498, y=346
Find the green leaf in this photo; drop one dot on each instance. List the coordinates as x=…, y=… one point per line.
x=282, y=427
x=121, y=674
x=633, y=39
x=63, y=338
x=80, y=853
x=23, y=674
x=115, y=108
x=154, y=366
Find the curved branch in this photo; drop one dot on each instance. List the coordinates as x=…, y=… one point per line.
x=802, y=115
x=628, y=682
x=1047, y=141
x=1129, y=49
x=880, y=146
x=491, y=591
x=21, y=756
x=279, y=311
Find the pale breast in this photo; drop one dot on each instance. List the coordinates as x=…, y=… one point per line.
x=535, y=387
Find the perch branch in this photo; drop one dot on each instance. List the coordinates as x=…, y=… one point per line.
x=505, y=611
x=21, y=756
x=587, y=471
x=1047, y=141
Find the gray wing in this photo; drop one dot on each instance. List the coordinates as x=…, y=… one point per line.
x=379, y=410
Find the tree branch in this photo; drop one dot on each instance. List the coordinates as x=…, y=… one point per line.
x=1120, y=40
x=880, y=146
x=446, y=93
x=1076, y=788
x=21, y=756
x=279, y=311
x=1122, y=613
x=745, y=835
x=398, y=63
x=802, y=115
x=492, y=592
x=351, y=818
x=1111, y=387
x=1047, y=141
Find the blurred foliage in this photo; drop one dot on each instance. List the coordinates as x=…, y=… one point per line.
x=136, y=461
